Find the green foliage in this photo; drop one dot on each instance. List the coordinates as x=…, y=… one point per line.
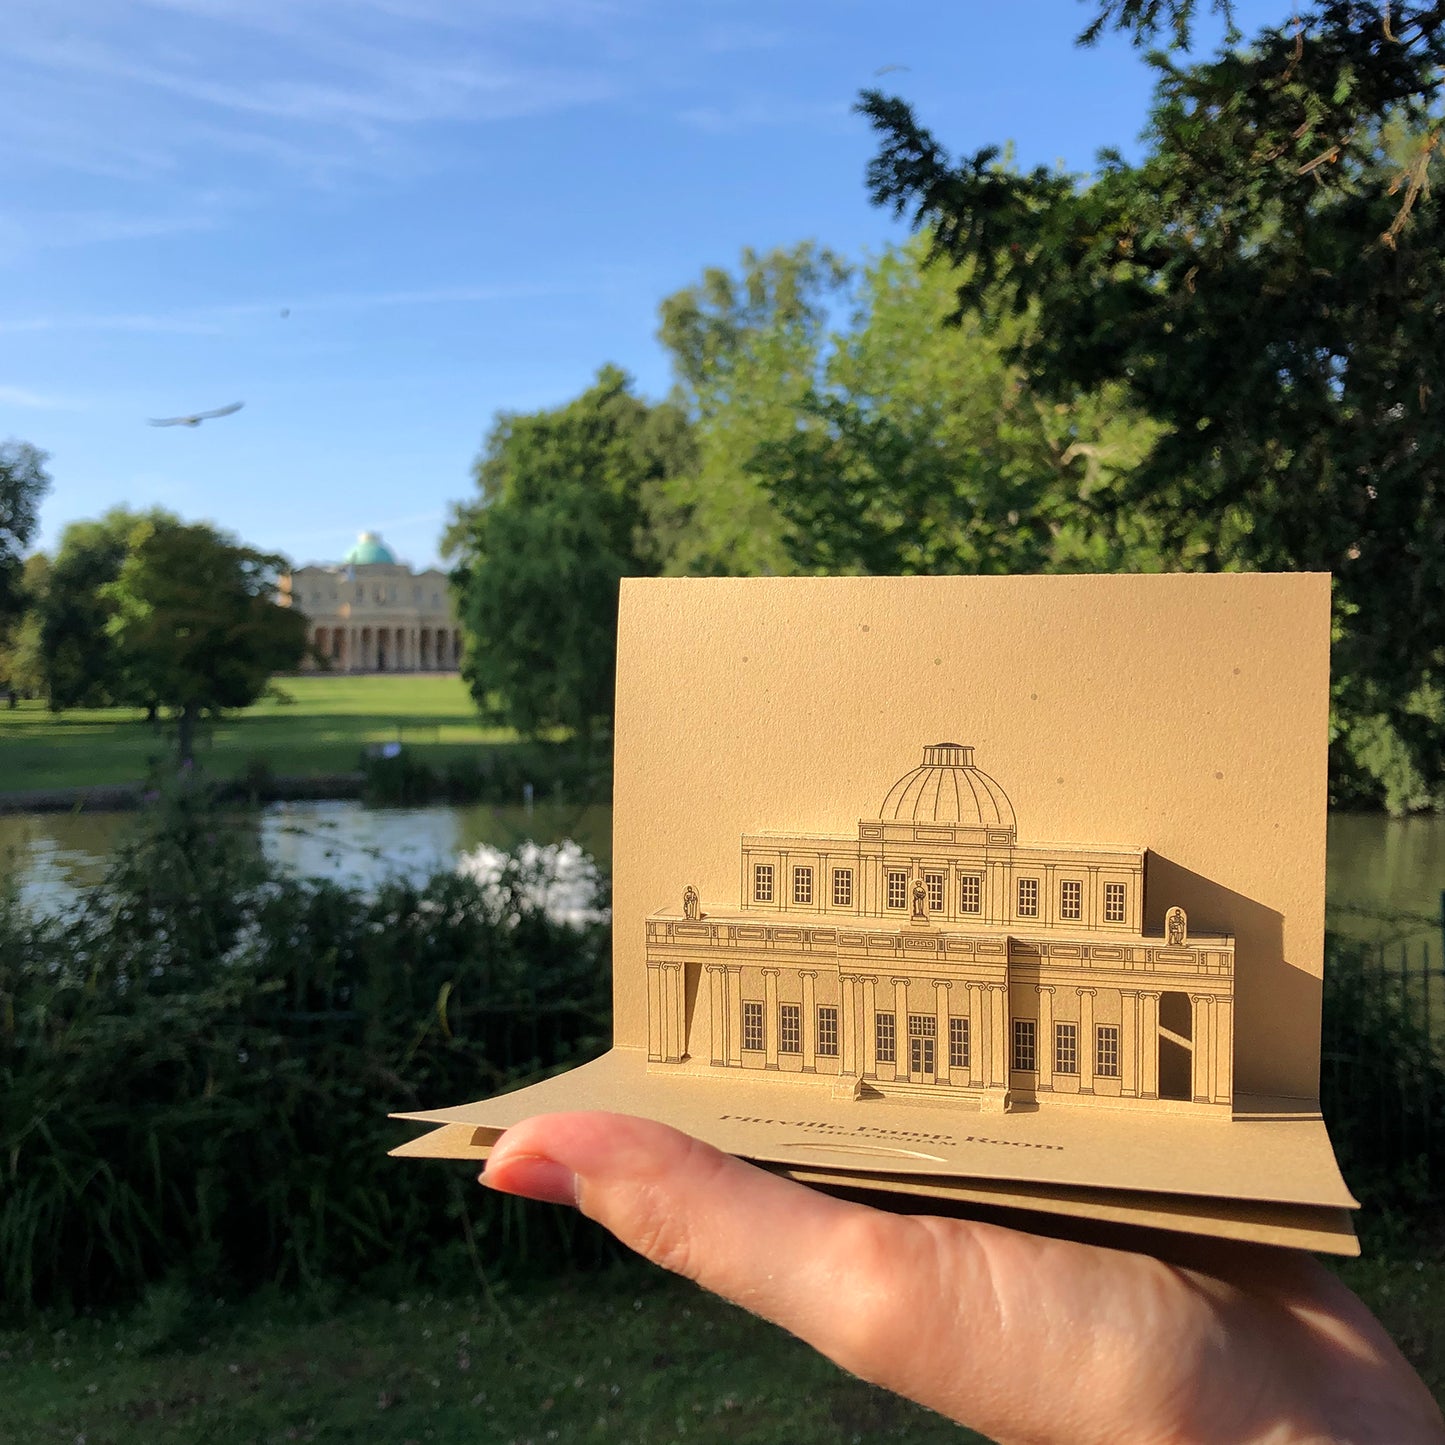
x=22, y=647
x=23, y=481
x=1382, y=1085
x=560, y=521
x=196, y=1067
x=194, y=622
x=1265, y=284
x=925, y=450
x=81, y=667
x=747, y=352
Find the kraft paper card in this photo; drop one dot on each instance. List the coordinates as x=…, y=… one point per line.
x=990, y=891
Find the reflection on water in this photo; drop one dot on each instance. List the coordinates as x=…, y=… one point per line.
x=1375, y=863
x=1384, y=866
x=55, y=856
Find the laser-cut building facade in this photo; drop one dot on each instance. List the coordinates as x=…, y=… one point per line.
x=932, y=954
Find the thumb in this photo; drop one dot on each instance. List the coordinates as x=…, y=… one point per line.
x=881, y=1295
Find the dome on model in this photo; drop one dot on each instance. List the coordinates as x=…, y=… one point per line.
x=948, y=788
x=369, y=548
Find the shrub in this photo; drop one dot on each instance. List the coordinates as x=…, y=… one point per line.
x=196, y=1068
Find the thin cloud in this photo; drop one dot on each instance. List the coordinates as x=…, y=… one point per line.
x=212, y=320
x=19, y=396
x=765, y=114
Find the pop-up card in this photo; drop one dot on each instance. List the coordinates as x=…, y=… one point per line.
x=996, y=892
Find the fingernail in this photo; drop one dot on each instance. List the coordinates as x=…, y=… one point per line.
x=533, y=1178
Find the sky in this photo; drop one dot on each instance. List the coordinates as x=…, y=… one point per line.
x=380, y=222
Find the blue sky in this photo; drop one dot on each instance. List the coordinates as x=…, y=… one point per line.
x=378, y=222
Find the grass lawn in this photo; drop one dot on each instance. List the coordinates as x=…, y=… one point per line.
x=322, y=729
x=633, y=1356
x=629, y=1356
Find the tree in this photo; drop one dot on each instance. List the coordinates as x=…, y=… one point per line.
x=80, y=660
x=22, y=655
x=747, y=351
x=925, y=450
x=23, y=481
x=195, y=624
x=1266, y=283
x=561, y=518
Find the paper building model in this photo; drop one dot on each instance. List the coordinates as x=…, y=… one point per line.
x=1068, y=966
x=933, y=954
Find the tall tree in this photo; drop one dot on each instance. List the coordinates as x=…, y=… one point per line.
x=81, y=662
x=23, y=481
x=1266, y=282
x=560, y=519
x=926, y=450
x=195, y=623
x=747, y=350
x=22, y=655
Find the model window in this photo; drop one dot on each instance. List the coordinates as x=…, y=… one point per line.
x=957, y=1043
x=934, y=883
x=1025, y=1039
x=842, y=888
x=361, y=594
x=1066, y=1048
x=828, y=1031
x=1113, y=903
x=970, y=893
x=1071, y=899
x=752, y=1025
x=790, y=1028
x=1028, y=897
x=1106, y=1054
x=887, y=1037
x=802, y=885
x=762, y=883
x=898, y=890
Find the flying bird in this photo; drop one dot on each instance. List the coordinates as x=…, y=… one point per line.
x=196, y=418
x=884, y=69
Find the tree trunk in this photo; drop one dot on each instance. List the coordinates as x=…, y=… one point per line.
x=186, y=732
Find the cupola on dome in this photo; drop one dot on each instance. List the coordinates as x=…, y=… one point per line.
x=369, y=548
x=947, y=788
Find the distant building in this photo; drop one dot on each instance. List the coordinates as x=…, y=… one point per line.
x=371, y=613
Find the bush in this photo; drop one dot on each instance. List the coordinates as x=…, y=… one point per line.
x=196, y=1068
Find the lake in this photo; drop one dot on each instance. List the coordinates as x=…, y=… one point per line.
x=1377, y=865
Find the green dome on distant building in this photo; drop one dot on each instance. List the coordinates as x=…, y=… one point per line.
x=369, y=548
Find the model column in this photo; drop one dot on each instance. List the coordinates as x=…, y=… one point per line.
x=978, y=1037
x=940, y=1060
x=1203, y=1050
x=735, y=1015
x=998, y=1036
x=810, y=1020
x=1223, y=1051
x=717, y=999
x=870, y=1028
x=770, y=1018
x=1129, y=1043
x=1087, y=1045
x=677, y=1015
x=1148, y=1045
x=901, y=1046
x=1045, y=1059
x=848, y=1025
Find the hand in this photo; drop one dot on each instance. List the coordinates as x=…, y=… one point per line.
x=1021, y=1337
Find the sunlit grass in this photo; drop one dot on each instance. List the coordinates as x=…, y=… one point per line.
x=319, y=726
x=631, y=1356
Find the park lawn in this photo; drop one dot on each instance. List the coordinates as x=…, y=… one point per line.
x=630, y=1356
x=321, y=730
